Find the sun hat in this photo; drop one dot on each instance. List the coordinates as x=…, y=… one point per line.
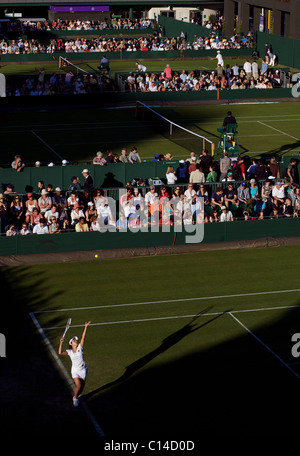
x=75, y=337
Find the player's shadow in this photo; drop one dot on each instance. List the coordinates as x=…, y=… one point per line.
x=167, y=343
x=280, y=152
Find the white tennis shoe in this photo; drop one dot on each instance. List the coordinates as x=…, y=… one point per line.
x=75, y=401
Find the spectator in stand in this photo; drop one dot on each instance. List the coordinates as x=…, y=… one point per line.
x=12, y=231
x=134, y=156
x=75, y=214
x=75, y=184
x=231, y=199
x=44, y=202
x=171, y=175
x=16, y=211
x=52, y=212
x=217, y=198
x=279, y=195
x=123, y=158
x=88, y=181
x=53, y=225
x=168, y=72
x=205, y=161
x=292, y=171
x=225, y=166
x=24, y=231
x=59, y=198
x=35, y=217
x=243, y=195
x=226, y=215
x=18, y=163
x=212, y=176
x=81, y=226
x=197, y=176
x=99, y=159
x=30, y=204
x=273, y=169
x=41, y=227
x=260, y=172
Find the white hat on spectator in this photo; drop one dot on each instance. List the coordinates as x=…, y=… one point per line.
x=85, y=171
x=44, y=192
x=51, y=164
x=37, y=163
x=58, y=189
x=64, y=162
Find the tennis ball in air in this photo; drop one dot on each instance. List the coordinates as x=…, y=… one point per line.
x=96, y=256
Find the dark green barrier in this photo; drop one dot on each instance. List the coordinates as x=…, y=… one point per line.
x=79, y=57
x=174, y=27
x=109, y=176
x=128, y=97
x=216, y=232
x=286, y=49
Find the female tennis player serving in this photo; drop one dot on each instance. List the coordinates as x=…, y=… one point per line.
x=79, y=368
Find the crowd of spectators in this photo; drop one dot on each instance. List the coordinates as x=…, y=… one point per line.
x=29, y=25
x=250, y=76
x=57, y=84
x=154, y=42
x=235, y=189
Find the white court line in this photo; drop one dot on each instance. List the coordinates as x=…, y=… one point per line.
x=276, y=129
x=47, y=145
x=199, y=298
x=65, y=374
x=174, y=317
x=40, y=127
x=263, y=344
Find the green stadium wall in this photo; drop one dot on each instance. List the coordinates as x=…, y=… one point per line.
x=287, y=50
x=81, y=57
x=216, y=232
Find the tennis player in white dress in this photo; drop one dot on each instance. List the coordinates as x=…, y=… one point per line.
x=79, y=368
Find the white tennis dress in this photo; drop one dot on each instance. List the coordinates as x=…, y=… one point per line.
x=79, y=368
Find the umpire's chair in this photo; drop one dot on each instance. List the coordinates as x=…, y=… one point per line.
x=228, y=141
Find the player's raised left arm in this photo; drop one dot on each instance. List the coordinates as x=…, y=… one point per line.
x=84, y=333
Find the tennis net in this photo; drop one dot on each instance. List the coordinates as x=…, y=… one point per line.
x=185, y=138
x=67, y=66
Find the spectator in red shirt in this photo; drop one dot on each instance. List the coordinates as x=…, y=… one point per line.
x=168, y=72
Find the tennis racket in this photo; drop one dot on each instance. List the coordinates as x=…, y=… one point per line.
x=67, y=327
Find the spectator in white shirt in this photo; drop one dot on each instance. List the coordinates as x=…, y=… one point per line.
x=41, y=227
x=226, y=215
x=248, y=69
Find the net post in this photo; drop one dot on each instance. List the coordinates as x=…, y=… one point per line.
x=212, y=149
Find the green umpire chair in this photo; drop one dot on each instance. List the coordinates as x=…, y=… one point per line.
x=228, y=141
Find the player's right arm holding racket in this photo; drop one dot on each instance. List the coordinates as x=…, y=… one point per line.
x=60, y=352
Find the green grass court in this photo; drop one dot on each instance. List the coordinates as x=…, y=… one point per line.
x=264, y=130
x=188, y=345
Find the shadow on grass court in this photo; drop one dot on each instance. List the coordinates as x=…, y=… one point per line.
x=35, y=400
x=238, y=388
